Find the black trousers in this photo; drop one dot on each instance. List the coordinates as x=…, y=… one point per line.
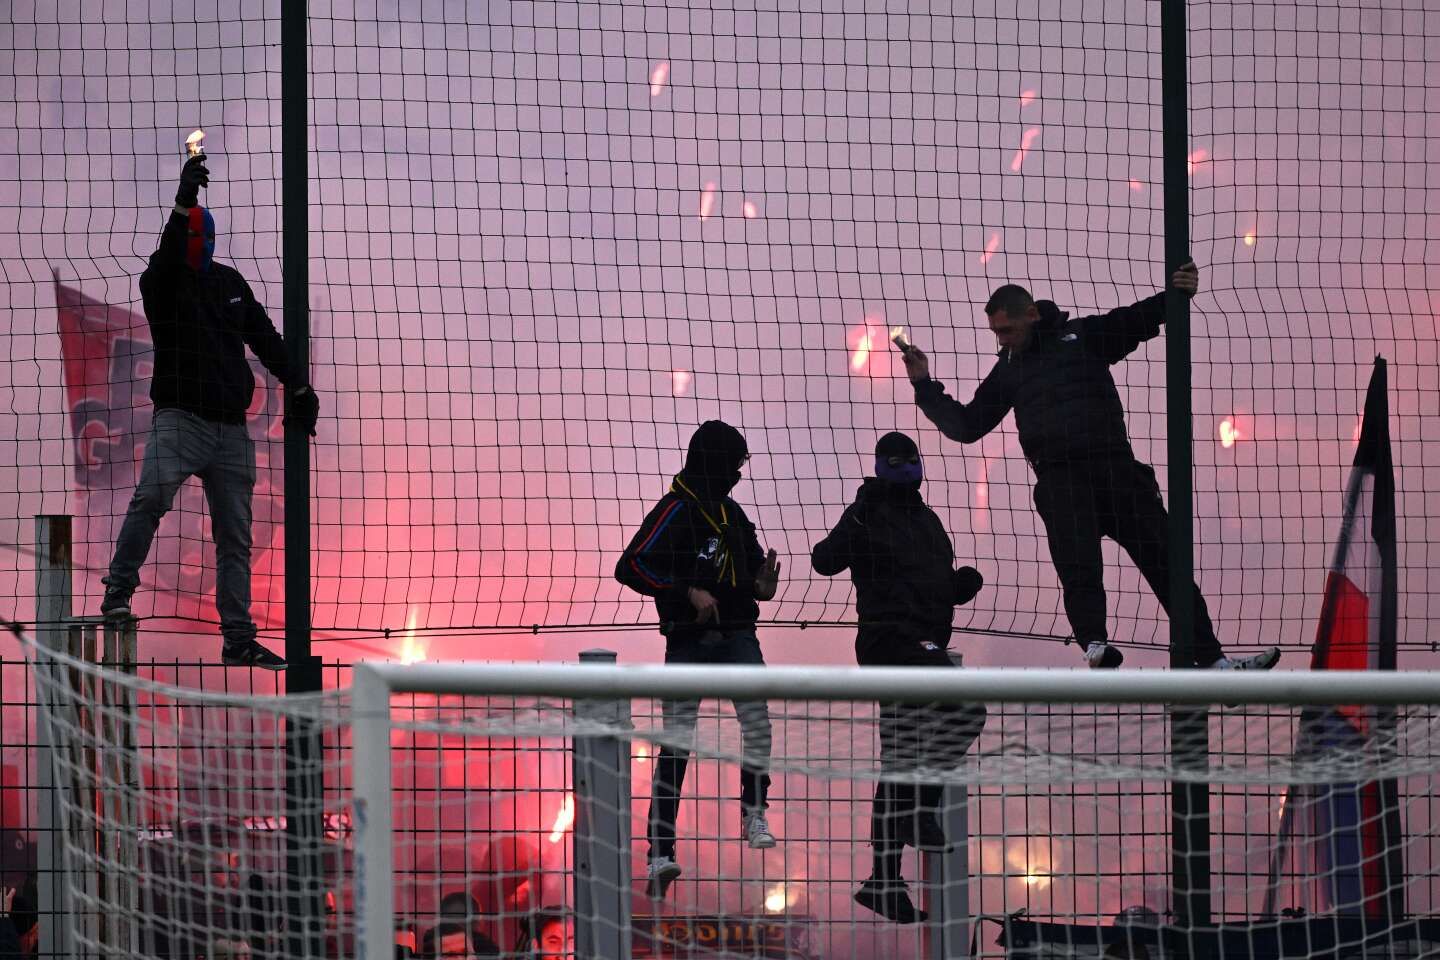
x=679, y=717
x=1116, y=498
x=913, y=738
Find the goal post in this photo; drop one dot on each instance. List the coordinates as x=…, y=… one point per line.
x=508, y=803
x=824, y=710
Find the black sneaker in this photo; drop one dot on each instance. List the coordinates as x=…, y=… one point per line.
x=890, y=900
x=249, y=653
x=116, y=605
x=929, y=835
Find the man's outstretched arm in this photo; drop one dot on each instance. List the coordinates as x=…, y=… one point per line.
x=1114, y=336
x=965, y=422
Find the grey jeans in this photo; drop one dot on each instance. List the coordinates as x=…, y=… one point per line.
x=222, y=455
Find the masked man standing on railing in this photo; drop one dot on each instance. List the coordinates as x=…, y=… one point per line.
x=1054, y=372
x=698, y=556
x=906, y=592
x=202, y=316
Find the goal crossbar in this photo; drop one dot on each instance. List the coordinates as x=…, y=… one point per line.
x=907, y=685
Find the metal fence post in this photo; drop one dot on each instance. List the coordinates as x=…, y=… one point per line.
x=373, y=816
x=602, y=827
x=53, y=549
x=947, y=881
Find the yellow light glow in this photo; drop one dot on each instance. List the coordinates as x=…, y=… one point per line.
x=777, y=898
x=861, y=356
x=195, y=143
x=563, y=819
x=412, y=650
x=1229, y=433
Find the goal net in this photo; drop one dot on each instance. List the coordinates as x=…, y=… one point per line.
x=454, y=810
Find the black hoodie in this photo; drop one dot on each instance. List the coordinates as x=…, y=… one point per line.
x=696, y=536
x=1059, y=385
x=902, y=563
x=201, y=321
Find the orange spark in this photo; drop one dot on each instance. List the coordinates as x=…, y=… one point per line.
x=658, y=76
x=861, y=354
x=679, y=382
x=991, y=246
x=564, y=819
x=1025, y=141
x=707, y=200
x=1229, y=433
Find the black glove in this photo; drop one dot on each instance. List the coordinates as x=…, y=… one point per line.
x=193, y=176
x=967, y=582
x=304, y=409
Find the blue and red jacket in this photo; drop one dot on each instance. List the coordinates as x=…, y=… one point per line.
x=683, y=543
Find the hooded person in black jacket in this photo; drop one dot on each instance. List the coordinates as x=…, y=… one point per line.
x=1054, y=372
x=202, y=315
x=906, y=590
x=697, y=555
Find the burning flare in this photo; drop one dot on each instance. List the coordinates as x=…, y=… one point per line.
x=195, y=143
x=707, y=200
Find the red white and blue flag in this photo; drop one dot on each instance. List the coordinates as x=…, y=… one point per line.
x=1351, y=829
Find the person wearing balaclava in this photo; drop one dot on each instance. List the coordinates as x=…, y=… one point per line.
x=698, y=556
x=202, y=315
x=906, y=590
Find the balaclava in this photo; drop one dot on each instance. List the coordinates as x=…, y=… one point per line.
x=712, y=468
x=200, y=244
x=712, y=463
x=897, y=459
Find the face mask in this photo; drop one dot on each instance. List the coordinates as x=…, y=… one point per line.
x=200, y=244
x=904, y=470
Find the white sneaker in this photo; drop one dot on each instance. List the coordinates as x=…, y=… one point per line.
x=662, y=868
x=1103, y=656
x=1263, y=660
x=755, y=830
x=660, y=872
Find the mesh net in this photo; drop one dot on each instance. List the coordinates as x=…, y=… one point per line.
x=1057, y=816
x=551, y=238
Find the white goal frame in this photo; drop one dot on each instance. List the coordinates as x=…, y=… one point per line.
x=599, y=683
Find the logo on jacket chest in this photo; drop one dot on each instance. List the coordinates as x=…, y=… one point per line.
x=711, y=551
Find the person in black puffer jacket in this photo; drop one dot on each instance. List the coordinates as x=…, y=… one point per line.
x=697, y=555
x=1054, y=372
x=906, y=590
x=202, y=316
